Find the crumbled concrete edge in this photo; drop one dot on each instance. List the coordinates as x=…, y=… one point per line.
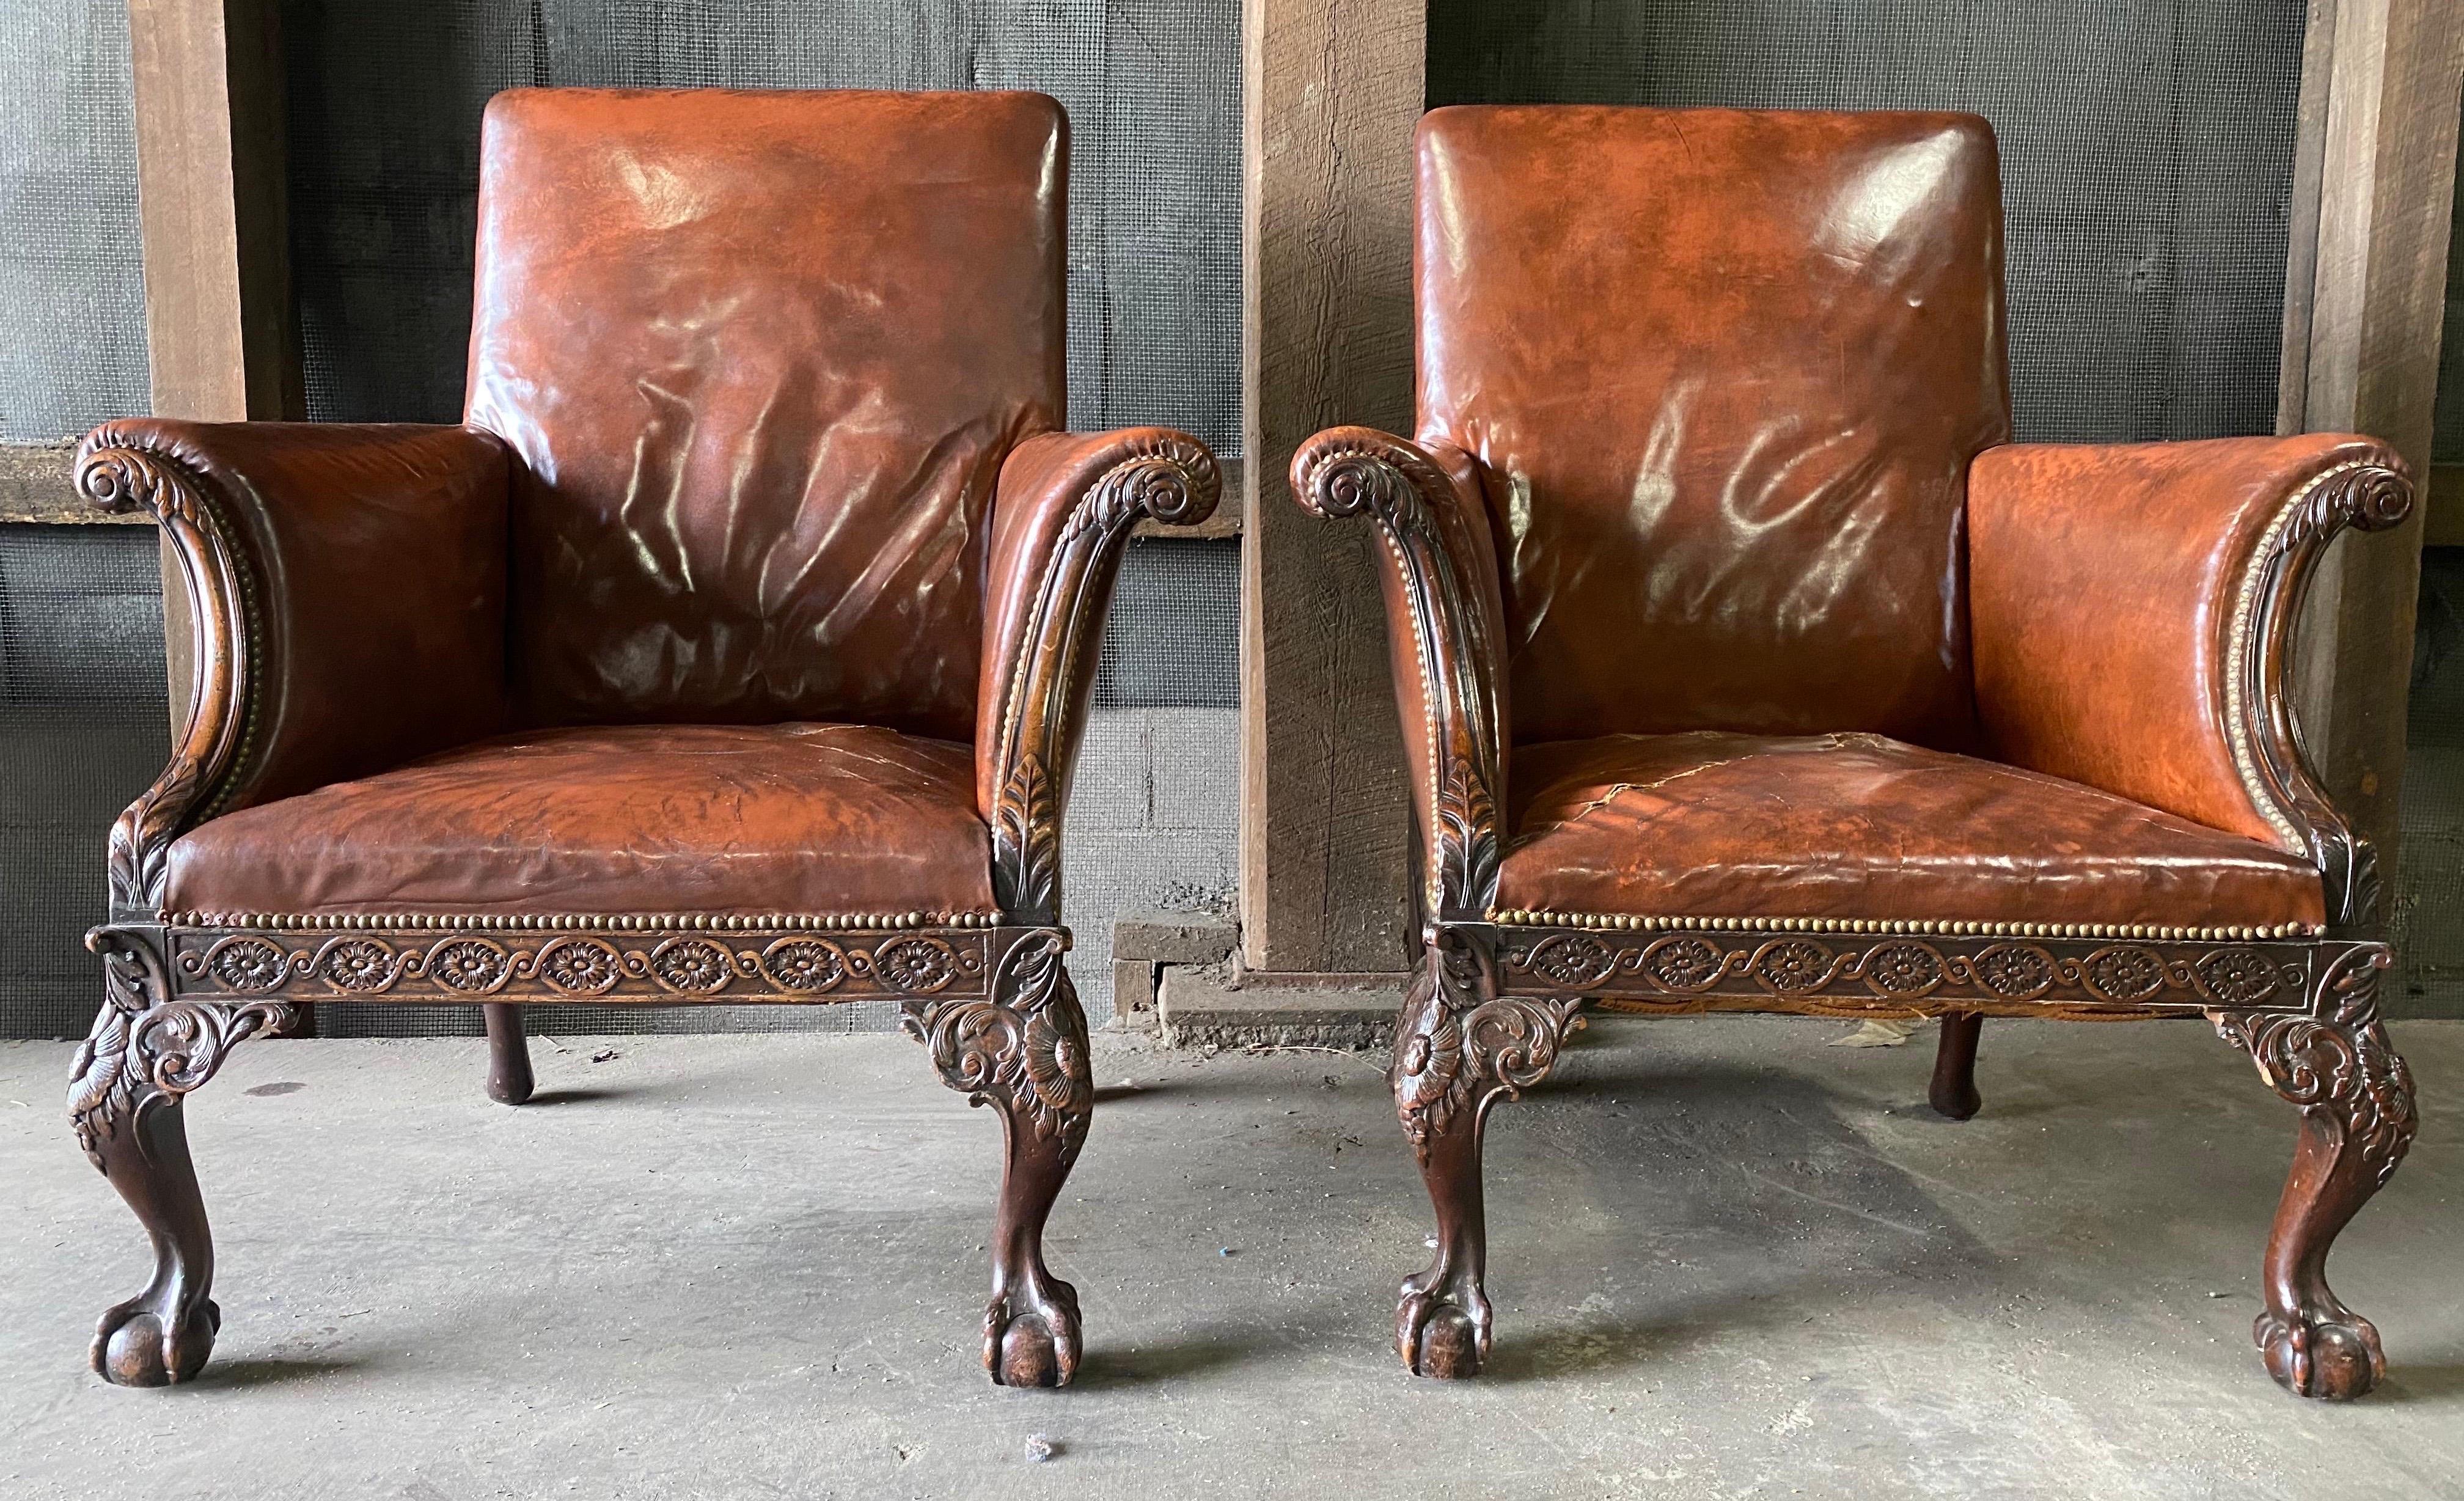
x=1206, y=937
x=1207, y=1007
x=1144, y=943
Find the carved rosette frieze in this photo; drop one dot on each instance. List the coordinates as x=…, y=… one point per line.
x=502, y=964
x=2267, y=745
x=2333, y=1060
x=1168, y=480
x=1355, y=472
x=1902, y=972
x=1022, y=1048
x=148, y=1046
x=1459, y=1047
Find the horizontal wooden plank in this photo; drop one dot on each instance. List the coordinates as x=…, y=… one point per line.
x=1225, y=522
x=36, y=485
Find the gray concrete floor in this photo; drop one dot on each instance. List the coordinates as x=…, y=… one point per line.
x=1727, y=1259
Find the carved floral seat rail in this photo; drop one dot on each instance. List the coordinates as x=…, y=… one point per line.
x=730, y=651
x=1745, y=663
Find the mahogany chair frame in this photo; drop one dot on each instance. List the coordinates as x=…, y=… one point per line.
x=987, y=995
x=1497, y=992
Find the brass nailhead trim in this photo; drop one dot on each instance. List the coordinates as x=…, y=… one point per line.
x=578, y=923
x=1532, y=919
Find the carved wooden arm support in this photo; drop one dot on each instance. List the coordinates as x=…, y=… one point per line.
x=1064, y=509
x=1443, y=620
x=2134, y=608
x=343, y=591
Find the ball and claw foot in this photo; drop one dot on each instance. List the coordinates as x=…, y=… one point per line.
x=1442, y=1327
x=2328, y=1353
x=1032, y=1333
x=136, y=1345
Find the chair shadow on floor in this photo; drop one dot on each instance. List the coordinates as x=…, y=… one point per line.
x=1760, y=1203
x=2420, y=1381
x=240, y=1375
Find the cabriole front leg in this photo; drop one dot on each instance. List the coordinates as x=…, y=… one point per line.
x=2357, y=1118
x=146, y=1052
x=1459, y=1048
x=1023, y=1051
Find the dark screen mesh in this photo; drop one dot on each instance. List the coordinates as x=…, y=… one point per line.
x=72, y=293
x=384, y=104
x=2428, y=911
x=2430, y=874
x=2146, y=159
x=82, y=731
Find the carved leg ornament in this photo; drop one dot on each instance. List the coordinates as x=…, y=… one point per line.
x=2357, y=1119
x=1954, y=1065
x=509, y=1055
x=146, y=1050
x=1024, y=1052
x=1459, y=1047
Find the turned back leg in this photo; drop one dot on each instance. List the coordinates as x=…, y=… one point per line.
x=1954, y=1065
x=509, y=1055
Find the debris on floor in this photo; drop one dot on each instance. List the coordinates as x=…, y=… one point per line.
x=1880, y=1032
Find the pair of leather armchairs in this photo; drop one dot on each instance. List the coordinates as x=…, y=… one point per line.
x=734, y=648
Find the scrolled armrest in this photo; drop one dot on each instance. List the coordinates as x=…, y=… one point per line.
x=1062, y=511
x=2133, y=608
x=344, y=589
x=1444, y=632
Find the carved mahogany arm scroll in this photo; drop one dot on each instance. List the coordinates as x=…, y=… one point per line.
x=1442, y=626
x=345, y=592
x=1061, y=516
x=2133, y=610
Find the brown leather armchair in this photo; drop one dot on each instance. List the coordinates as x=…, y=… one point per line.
x=732, y=650
x=1745, y=663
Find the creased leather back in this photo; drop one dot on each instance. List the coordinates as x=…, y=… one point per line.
x=1725, y=372
x=760, y=356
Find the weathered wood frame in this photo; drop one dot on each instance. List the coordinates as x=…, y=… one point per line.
x=1331, y=89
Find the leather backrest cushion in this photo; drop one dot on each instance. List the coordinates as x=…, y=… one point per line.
x=760, y=356
x=1726, y=370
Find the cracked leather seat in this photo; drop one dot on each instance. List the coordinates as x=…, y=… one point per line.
x=1714, y=825
x=688, y=818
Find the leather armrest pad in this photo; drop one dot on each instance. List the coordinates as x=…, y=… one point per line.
x=375, y=560
x=2106, y=584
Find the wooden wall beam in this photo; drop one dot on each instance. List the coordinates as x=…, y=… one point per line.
x=2364, y=306
x=221, y=344
x=1331, y=89
x=221, y=336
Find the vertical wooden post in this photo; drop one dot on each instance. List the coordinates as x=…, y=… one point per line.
x=1332, y=90
x=221, y=341
x=2365, y=303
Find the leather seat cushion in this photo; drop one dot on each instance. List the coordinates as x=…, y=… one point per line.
x=1712, y=823
x=801, y=818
